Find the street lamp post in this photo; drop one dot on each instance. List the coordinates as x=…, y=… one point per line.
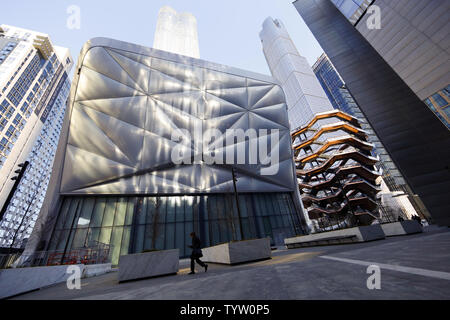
x=237, y=203
x=23, y=167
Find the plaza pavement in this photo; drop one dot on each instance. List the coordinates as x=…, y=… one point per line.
x=412, y=267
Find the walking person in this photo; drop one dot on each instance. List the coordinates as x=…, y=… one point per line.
x=196, y=253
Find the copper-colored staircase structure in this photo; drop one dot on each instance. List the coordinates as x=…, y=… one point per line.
x=336, y=170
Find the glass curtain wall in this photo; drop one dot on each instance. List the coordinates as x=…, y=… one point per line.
x=136, y=224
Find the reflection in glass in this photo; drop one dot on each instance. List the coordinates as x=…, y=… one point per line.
x=134, y=224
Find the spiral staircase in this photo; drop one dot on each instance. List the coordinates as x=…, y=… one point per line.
x=336, y=171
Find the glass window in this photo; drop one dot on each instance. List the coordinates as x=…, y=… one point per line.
x=64, y=235
x=105, y=235
x=97, y=215
x=116, y=242
x=125, y=241
x=212, y=207
x=159, y=236
x=151, y=207
x=79, y=240
x=214, y=232
x=440, y=100
x=446, y=91
x=243, y=206
x=110, y=210
x=139, y=238
x=148, y=239
x=92, y=236
x=140, y=213
x=170, y=236
x=261, y=213
x=189, y=208
x=180, y=236
x=54, y=240
x=171, y=204
x=71, y=215
x=161, y=210
x=63, y=212
x=447, y=111
x=87, y=207
x=121, y=212
x=180, y=208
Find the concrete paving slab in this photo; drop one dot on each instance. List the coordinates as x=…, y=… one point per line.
x=294, y=274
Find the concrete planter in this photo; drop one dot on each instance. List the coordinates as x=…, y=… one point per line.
x=358, y=234
x=22, y=280
x=94, y=270
x=401, y=228
x=148, y=264
x=238, y=251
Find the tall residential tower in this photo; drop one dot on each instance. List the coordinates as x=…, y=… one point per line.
x=176, y=33
x=34, y=88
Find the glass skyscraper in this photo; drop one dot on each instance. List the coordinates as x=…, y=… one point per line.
x=177, y=33
x=413, y=43
x=392, y=59
x=34, y=88
x=352, y=9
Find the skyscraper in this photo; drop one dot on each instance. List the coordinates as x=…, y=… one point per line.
x=390, y=71
x=335, y=168
x=34, y=89
x=177, y=33
x=304, y=95
x=395, y=191
x=412, y=38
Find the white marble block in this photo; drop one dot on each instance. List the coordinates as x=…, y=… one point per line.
x=148, y=264
x=21, y=280
x=357, y=234
x=401, y=228
x=238, y=251
x=94, y=270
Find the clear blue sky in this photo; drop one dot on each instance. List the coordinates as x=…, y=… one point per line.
x=228, y=29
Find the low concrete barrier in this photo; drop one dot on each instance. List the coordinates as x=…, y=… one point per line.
x=357, y=234
x=16, y=281
x=22, y=280
x=93, y=270
x=148, y=264
x=238, y=251
x=401, y=228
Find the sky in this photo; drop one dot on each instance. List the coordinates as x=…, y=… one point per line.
x=228, y=29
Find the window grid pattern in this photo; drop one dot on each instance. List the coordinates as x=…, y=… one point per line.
x=136, y=224
x=22, y=85
x=439, y=103
x=27, y=201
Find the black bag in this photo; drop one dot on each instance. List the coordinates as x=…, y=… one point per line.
x=197, y=253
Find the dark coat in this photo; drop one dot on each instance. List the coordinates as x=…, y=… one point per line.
x=196, y=248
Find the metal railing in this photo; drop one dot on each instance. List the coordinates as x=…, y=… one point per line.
x=89, y=255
